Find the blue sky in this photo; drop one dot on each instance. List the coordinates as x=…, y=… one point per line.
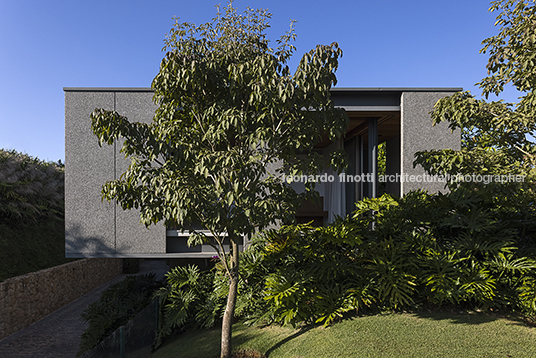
x=48, y=45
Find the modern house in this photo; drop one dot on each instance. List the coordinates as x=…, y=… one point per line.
x=95, y=228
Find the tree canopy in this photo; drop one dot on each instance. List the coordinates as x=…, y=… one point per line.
x=231, y=120
x=228, y=108
x=497, y=137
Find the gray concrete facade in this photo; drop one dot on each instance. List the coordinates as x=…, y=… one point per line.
x=96, y=228
x=418, y=134
x=93, y=227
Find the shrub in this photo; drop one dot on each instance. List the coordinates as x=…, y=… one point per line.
x=191, y=298
x=391, y=254
x=455, y=248
x=312, y=274
x=117, y=305
x=32, y=230
x=30, y=188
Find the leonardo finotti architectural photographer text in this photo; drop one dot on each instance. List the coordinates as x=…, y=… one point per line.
x=397, y=178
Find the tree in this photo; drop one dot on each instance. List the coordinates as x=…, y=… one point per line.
x=231, y=120
x=497, y=137
x=30, y=188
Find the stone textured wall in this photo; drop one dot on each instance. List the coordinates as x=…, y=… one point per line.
x=28, y=298
x=93, y=227
x=418, y=134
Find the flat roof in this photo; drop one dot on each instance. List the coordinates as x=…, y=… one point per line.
x=357, y=99
x=107, y=89
x=397, y=89
x=334, y=89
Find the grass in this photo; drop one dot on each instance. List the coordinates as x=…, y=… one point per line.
x=437, y=334
x=31, y=246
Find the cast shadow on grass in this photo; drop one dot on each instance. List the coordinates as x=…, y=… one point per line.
x=455, y=315
x=244, y=337
x=460, y=316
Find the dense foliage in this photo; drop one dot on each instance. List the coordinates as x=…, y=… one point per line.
x=30, y=188
x=117, y=305
x=483, y=247
x=420, y=251
x=31, y=246
x=32, y=229
x=190, y=299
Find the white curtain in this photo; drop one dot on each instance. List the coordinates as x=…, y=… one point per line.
x=334, y=199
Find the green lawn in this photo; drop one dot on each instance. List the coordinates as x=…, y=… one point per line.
x=428, y=335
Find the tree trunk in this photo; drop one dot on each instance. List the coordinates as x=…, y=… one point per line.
x=227, y=324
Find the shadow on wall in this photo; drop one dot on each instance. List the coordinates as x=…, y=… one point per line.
x=79, y=243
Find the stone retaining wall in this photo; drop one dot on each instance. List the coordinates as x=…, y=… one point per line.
x=28, y=298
